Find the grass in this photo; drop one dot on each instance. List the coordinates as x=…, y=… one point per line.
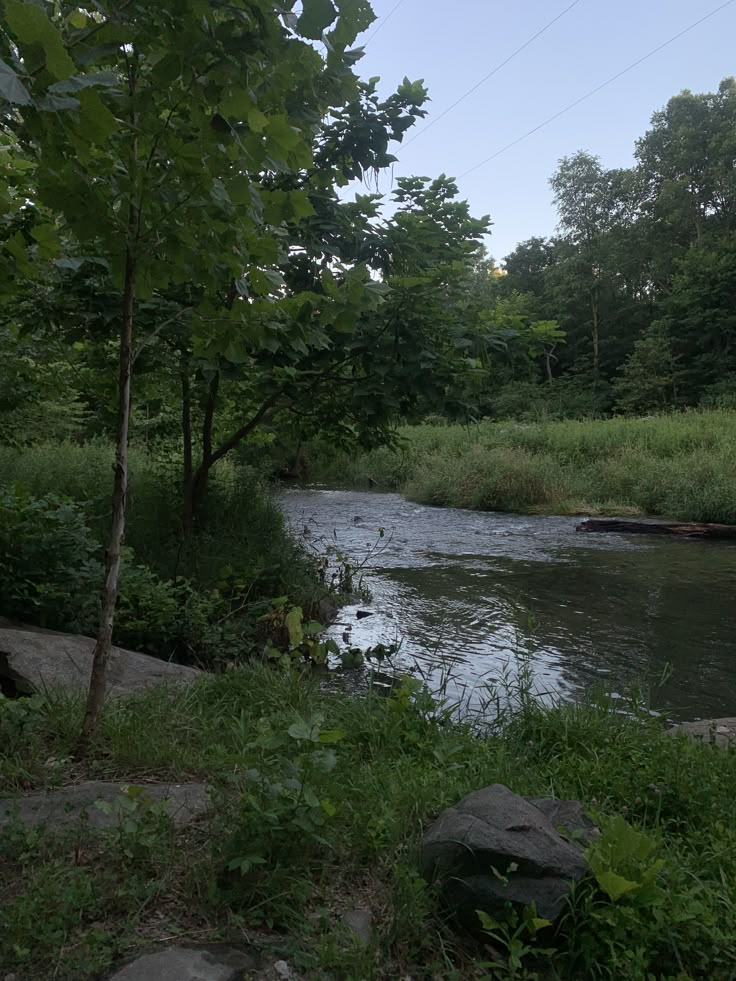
x=280, y=864
x=682, y=466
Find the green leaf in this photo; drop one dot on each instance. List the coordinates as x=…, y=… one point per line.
x=11, y=87
x=77, y=19
x=615, y=886
x=78, y=82
x=257, y=120
x=331, y=736
x=301, y=730
x=293, y=623
x=31, y=26
x=57, y=103
x=328, y=807
x=96, y=120
x=48, y=240
x=317, y=15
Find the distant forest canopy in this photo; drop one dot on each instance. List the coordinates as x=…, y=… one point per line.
x=640, y=279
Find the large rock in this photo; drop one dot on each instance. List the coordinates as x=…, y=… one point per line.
x=217, y=962
x=34, y=660
x=67, y=807
x=495, y=847
x=717, y=732
x=209, y=962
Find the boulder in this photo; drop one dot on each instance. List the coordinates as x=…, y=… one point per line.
x=66, y=807
x=495, y=847
x=215, y=962
x=34, y=660
x=569, y=818
x=718, y=732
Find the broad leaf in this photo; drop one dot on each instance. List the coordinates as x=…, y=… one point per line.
x=78, y=82
x=31, y=26
x=11, y=87
x=317, y=15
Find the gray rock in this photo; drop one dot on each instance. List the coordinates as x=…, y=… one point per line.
x=38, y=659
x=67, y=807
x=360, y=922
x=568, y=817
x=494, y=829
x=215, y=962
x=718, y=732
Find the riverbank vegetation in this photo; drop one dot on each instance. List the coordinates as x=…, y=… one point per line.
x=373, y=772
x=187, y=295
x=681, y=465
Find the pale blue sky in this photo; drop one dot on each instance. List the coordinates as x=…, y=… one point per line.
x=451, y=45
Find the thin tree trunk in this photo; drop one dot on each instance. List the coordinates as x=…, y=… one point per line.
x=109, y=597
x=186, y=419
x=101, y=654
x=595, y=335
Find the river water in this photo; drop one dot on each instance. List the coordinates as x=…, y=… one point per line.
x=477, y=595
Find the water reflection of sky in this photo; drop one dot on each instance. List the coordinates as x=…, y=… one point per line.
x=477, y=594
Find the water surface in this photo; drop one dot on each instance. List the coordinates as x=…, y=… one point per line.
x=480, y=593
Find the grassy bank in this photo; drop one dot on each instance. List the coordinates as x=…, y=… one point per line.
x=195, y=598
x=279, y=864
x=682, y=466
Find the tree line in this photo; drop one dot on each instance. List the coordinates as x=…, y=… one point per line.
x=641, y=277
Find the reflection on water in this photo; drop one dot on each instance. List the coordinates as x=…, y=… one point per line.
x=472, y=591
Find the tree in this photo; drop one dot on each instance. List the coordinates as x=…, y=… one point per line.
x=145, y=129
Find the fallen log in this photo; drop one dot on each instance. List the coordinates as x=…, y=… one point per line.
x=681, y=529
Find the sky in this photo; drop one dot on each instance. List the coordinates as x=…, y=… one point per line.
x=452, y=45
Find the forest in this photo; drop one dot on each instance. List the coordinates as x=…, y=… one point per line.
x=204, y=295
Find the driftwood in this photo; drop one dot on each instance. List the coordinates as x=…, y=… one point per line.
x=680, y=529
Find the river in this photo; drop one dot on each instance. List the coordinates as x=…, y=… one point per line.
x=474, y=596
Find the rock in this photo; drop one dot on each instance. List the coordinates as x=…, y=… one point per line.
x=360, y=922
x=34, y=660
x=215, y=962
x=718, y=732
x=362, y=614
x=494, y=829
x=568, y=817
x=66, y=807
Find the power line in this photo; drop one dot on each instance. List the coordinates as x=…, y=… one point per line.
x=493, y=72
x=598, y=88
x=383, y=22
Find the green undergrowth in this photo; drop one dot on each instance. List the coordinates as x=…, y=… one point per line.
x=194, y=599
x=319, y=801
x=681, y=465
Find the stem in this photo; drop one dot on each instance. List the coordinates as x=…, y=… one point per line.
x=103, y=644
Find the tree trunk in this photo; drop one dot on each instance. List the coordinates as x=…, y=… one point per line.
x=101, y=654
x=595, y=335
x=186, y=419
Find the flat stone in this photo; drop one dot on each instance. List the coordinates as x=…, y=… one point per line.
x=66, y=807
x=495, y=829
x=718, y=732
x=215, y=962
x=359, y=922
x=35, y=660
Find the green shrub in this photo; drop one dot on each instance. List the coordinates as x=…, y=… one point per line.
x=50, y=572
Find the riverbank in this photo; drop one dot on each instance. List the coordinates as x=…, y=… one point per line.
x=680, y=466
x=278, y=863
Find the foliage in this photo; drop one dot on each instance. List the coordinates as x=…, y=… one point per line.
x=680, y=465
x=662, y=804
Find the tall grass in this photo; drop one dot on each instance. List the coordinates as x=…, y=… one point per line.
x=682, y=466
x=243, y=536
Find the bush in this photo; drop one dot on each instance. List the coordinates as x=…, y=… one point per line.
x=50, y=571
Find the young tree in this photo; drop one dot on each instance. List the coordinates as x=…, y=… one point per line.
x=146, y=129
